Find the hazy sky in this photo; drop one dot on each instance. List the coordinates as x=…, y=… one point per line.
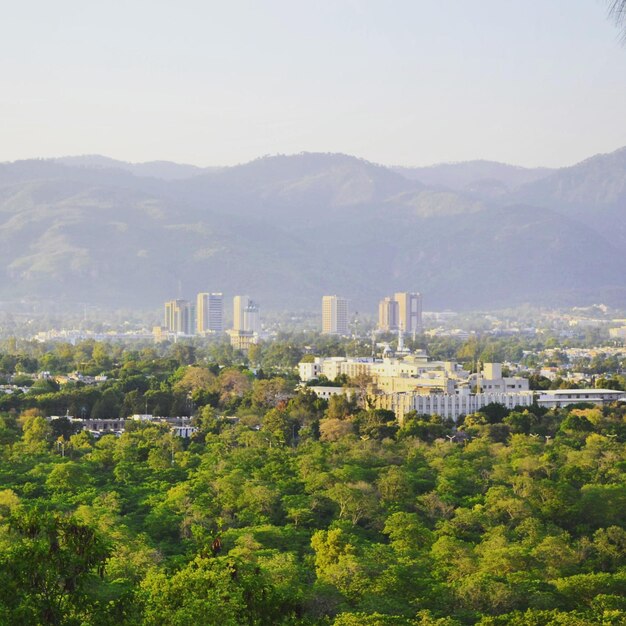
x=411, y=82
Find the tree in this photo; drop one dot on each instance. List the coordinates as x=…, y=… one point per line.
x=395, y=488
x=278, y=423
x=377, y=423
x=298, y=508
x=37, y=433
x=339, y=407
x=108, y=406
x=66, y=477
x=203, y=592
x=225, y=590
x=407, y=534
x=356, y=501
x=100, y=355
x=332, y=429
x=46, y=570
x=233, y=385
x=270, y=393
x=425, y=427
x=336, y=561
x=195, y=379
x=63, y=427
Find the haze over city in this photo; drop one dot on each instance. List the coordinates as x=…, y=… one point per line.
x=313, y=313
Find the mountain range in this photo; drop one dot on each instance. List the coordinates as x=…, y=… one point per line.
x=288, y=229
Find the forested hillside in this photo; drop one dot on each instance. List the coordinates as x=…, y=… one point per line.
x=284, y=509
x=288, y=229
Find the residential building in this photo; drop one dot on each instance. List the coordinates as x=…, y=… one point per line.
x=334, y=315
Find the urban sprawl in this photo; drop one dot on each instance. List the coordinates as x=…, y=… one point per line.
x=393, y=376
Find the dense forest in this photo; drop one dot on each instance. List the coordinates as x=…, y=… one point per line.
x=286, y=509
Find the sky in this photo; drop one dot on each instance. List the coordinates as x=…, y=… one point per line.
x=398, y=82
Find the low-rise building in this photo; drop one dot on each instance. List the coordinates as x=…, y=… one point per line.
x=325, y=391
x=449, y=405
x=563, y=397
x=490, y=380
x=242, y=339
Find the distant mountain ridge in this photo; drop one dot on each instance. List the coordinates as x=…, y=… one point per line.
x=288, y=229
x=166, y=170
x=486, y=178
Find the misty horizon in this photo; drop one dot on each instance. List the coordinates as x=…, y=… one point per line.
x=391, y=165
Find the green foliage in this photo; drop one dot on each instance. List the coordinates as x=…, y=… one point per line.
x=48, y=566
x=286, y=509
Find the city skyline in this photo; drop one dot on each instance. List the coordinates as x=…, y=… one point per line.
x=205, y=315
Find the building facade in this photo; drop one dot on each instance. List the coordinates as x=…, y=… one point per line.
x=413, y=383
x=562, y=397
x=409, y=311
x=180, y=317
x=246, y=315
x=449, y=405
x=210, y=313
x=246, y=323
x=388, y=315
x=403, y=311
x=334, y=315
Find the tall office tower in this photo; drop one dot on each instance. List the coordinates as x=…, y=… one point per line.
x=388, y=314
x=246, y=323
x=180, y=317
x=409, y=311
x=252, y=318
x=246, y=315
x=334, y=315
x=210, y=313
x=240, y=304
x=216, y=312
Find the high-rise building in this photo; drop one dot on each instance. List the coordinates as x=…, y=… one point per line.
x=239, y=306
x=246, y=323
x=334, y=315
x=246, y=315
x=252, y=318
x=402, y=310
x=180, y=317
x=409, y=311
x=210, y=313
x=388, y=314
